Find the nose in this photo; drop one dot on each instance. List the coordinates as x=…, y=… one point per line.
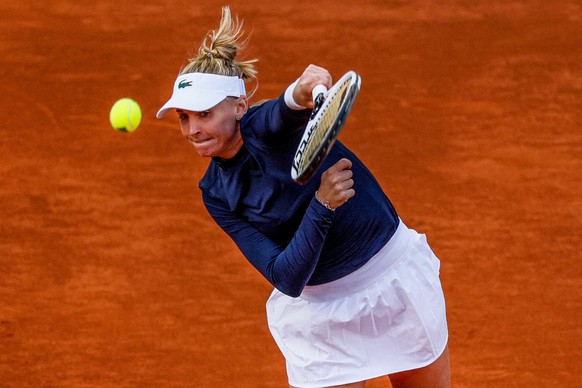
x=190, y=128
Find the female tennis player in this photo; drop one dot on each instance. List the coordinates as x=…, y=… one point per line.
x=357, y=293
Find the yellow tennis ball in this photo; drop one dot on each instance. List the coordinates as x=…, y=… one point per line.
x=125, y=115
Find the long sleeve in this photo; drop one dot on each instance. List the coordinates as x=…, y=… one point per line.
x=276, y=223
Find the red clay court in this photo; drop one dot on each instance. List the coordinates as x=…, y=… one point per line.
x=112, y=274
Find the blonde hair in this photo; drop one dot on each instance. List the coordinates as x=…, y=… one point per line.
x=219, y=49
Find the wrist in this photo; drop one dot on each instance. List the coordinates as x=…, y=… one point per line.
x=323, y=203
x=289, y=100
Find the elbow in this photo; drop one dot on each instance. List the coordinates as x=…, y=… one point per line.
x=293, y=293
x=287, y=279
x=290, y=289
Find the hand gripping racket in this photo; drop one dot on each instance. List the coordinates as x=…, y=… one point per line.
x=327, y=119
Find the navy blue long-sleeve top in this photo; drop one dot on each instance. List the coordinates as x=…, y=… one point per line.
x=278, y=225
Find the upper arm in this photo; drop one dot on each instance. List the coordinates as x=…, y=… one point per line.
x=260, y=250
x=287, y=268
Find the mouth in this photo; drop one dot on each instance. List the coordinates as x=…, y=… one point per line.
x=199, y=142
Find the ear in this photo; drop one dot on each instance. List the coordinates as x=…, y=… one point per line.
x=242, y=105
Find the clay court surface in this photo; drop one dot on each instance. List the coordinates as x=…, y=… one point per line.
x=112, y=274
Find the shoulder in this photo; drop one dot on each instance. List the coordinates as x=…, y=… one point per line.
x=258, y=104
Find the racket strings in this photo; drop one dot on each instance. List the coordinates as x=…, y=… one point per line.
x=327, y=117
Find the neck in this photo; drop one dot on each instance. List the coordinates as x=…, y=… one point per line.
x=235, y=147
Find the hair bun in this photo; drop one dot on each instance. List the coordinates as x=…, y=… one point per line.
x=219, y=49
x=211, y=53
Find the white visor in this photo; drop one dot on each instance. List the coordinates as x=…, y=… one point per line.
x=198, y=92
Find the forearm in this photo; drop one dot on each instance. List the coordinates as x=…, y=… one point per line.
x=292, y=268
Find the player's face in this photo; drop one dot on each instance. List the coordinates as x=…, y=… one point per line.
x=216, y=131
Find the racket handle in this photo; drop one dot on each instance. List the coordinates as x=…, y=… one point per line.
x=318, y=93
x=317, y=90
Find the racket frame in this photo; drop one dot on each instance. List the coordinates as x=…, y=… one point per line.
x=302, y=172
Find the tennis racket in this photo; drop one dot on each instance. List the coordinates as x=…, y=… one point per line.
x=330, y=112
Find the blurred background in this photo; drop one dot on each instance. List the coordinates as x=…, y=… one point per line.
x=112, y=274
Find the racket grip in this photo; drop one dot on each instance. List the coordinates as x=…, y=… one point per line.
x=317, y=90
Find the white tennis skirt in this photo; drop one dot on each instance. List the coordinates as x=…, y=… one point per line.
x=386, y=317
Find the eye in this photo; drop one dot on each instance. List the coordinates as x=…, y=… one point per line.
x=182, y=116
x=205, y=113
